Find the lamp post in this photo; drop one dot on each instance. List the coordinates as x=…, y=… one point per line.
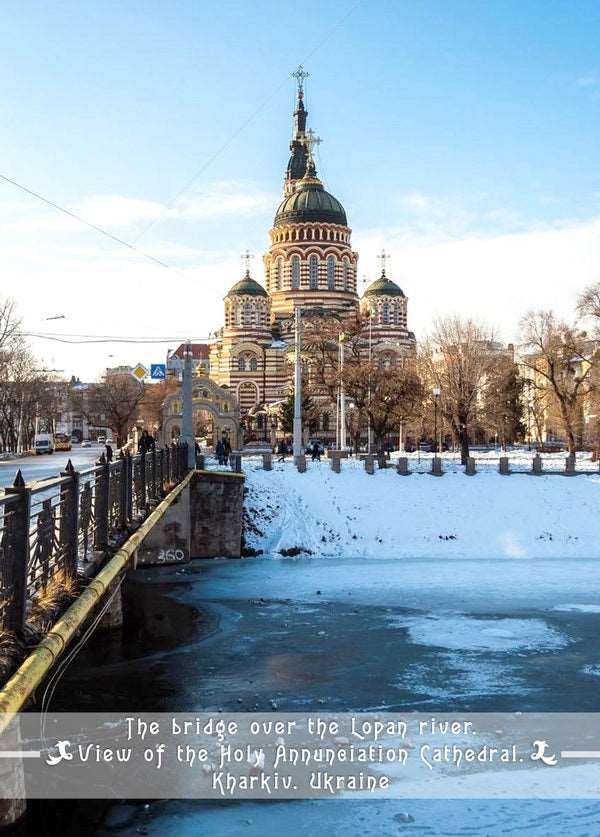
x=187, y=434
x=370, y=353
x=298, y=453
x=342, y=395
x=436, y=395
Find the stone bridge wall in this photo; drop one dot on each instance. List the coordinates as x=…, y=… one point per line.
x=216, y=512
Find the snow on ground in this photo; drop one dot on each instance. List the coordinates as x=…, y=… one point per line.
x=385, y=515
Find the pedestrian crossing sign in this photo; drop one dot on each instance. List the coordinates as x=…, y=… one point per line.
x=139, y=371
x=158, y=371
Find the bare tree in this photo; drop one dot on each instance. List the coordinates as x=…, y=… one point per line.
x=588, y=303
x=560, y=358
x=118, y=397
x=388, y=397
x=458, y=358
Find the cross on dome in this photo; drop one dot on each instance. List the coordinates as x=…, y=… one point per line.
x=383, y=259
x=247, y=257
x=300, y=75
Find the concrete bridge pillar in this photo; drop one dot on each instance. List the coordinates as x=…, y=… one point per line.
x=336, y=464
x=300, y=463
x=504, y=466
x=436, y=467
x=370, y=464
x=216, y=512
x=402, y=467
x=536, y=465
x=570, y=465
x=267, y=459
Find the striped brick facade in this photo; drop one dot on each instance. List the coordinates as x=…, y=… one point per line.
x=309, y=263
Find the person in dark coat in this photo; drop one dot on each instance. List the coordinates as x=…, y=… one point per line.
x=282, y=450
x=226, y=450
x=316, y=452
x=109, y=453
x=143, y=442
x=220, y=451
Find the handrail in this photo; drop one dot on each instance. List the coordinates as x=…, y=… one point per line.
x=30, y=674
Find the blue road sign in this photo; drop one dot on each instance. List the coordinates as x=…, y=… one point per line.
x=158, y=371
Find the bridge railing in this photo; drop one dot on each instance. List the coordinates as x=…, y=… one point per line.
x=50, y=528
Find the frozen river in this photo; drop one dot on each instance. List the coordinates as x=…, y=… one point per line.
x=334, y=634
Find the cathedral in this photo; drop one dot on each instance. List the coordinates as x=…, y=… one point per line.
x=309, y=263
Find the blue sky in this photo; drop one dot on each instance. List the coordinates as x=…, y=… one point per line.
x=461, y=136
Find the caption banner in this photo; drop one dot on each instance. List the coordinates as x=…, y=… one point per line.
x=300, y=756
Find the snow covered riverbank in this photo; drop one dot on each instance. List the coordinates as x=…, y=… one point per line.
x=386, y=515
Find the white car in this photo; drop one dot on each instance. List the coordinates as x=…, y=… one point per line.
x=86, y=444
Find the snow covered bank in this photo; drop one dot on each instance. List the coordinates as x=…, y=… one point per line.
x=353, y=514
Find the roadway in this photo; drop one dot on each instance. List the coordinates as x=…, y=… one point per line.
x=40, y=467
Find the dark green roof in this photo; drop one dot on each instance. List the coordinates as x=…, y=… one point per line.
x=247, y=287
x=384, y=287
x=310, y=202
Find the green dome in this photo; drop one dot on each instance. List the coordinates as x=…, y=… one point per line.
x=384, y=287
x=310, y=202
x=247, y=287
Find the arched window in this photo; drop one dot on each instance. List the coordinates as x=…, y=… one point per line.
x=247, y=313
x=253, y=364
x=331, y=273
x=241, y=364
x=346, y=273
x=279, y=274
x=313, y=273
x=295, y=272
x=385, y=313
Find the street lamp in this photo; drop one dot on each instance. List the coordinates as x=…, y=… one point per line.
x=436, y=394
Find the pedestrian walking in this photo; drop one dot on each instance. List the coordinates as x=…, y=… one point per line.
x=220, y=451
x=109, y=453
x=226, y=450
x=282, y=450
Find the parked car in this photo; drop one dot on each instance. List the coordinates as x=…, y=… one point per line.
x=109, y=441
x=86, y=444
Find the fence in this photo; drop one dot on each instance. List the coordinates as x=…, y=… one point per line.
x=49, y=528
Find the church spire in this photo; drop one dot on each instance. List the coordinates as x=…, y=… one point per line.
x=298, y=157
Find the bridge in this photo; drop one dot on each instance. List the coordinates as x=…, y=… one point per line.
x=66, y=544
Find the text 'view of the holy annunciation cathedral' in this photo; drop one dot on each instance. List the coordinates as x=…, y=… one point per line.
x=310, y=263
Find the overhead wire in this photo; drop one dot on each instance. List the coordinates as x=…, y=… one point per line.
x=247, y=121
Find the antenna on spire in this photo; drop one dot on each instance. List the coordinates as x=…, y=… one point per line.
x=383, y=258
x=247, y=257
x=300, y=75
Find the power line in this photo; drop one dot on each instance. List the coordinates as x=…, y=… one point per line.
x=85, y=339
x=88, y=223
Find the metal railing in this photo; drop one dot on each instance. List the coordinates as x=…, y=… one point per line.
x=48, y=529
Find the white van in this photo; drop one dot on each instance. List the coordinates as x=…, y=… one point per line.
x=43, y=443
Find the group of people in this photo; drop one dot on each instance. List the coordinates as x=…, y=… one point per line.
x=316, y=450
x=223, y=451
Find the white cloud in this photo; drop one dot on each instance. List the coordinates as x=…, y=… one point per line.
x=494, y=277
x=591, y=80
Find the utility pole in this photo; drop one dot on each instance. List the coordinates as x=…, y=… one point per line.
x=187, y=433
x=298, y=451
x=342, y=396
